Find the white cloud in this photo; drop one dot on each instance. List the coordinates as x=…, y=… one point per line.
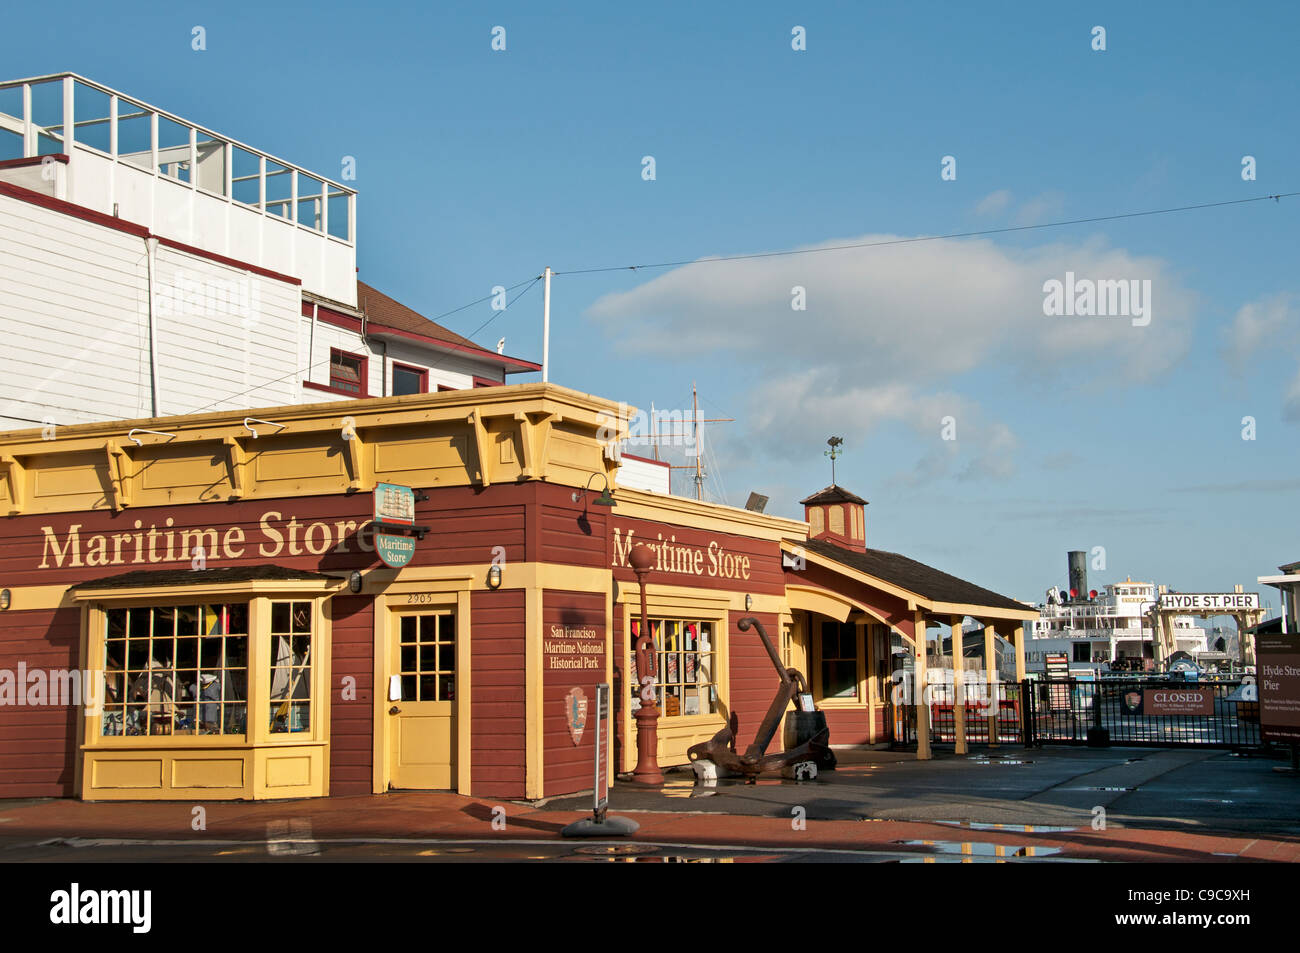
x=888, y=328
x=1040, y=208
x=994, y=203
x=1258, y=323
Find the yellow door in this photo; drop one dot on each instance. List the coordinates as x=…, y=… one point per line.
x=422, y=723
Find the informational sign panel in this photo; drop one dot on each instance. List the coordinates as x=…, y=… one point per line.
x=394, y=505
x=601, y=789
x=1209, y=601
x=394, y=550
x=1277, y=657
x=1057, y=665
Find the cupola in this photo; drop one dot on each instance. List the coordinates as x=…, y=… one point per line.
x=837, y=516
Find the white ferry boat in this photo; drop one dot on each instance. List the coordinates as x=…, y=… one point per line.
x=1108, y=629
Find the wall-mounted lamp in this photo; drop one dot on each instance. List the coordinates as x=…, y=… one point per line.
x=749, y=602
x=5, y=597
x=494, y=577
x=606, y=498
x=354, y=582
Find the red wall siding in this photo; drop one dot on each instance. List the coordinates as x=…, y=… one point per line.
x=850, y=726
x=38, y=744
x=569, y=767
x=352, y=721
x=753, y=678
x=497, y=707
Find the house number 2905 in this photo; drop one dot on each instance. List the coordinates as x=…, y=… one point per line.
x=418, y=598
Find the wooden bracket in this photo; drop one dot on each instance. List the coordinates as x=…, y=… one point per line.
x=534, y=431
x=118, y=477
x=236, y=460
x=352, y=441
x=475, y=420
x=14, y=476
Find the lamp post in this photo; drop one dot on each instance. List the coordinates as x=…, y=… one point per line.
x=647, y=716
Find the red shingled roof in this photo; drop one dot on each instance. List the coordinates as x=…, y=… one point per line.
x=384, y=311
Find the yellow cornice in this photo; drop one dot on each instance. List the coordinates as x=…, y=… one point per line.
x=683, y=511
x=444, y=407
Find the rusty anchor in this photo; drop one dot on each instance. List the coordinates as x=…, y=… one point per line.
x=721, y=748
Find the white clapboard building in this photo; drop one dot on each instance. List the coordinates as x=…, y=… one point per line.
x=150, y=266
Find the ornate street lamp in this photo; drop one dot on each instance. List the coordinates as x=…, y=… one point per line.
x=647, y=716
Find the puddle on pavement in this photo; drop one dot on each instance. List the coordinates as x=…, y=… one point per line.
x=1017, y=828
x=616, y=849
x=692, y=787
x=981, y=849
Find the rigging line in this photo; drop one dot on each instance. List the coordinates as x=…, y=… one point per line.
x=496, y=314
x=930, y=238
x=311, y=367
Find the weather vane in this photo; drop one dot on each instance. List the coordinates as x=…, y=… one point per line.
x=833, y=452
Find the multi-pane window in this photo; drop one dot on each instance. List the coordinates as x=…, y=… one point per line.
x=347, y=372
x=291, y=644
x=839, y=660
x=686, y=667
x=176, y=670
x=428, y=657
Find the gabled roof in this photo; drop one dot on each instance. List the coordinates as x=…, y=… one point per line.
x=833, y=494
x=384, y=313
x=926, y=581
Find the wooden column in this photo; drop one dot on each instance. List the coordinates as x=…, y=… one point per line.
x=1019, y=635
x=991, y=679
x=919, y=695
x=958, y=686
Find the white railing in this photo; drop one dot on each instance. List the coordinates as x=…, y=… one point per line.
x=191, y=155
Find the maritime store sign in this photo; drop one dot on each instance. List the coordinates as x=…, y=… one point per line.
x=1210, y=601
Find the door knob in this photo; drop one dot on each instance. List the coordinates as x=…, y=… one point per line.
x=394, y=710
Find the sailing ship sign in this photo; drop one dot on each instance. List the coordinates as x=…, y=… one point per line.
x=394, y=520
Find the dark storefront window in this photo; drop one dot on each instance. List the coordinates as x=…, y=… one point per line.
x=839, y=660
x=176, y=670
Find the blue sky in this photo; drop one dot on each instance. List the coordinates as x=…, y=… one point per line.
x=477, y=168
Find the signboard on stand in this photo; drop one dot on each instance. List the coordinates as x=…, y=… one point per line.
x=600, y=801
x=1278, y=665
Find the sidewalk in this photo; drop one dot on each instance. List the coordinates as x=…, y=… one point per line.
x=447, y=816
x=1156, y=804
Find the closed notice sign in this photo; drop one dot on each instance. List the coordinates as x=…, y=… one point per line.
x=1178, y=701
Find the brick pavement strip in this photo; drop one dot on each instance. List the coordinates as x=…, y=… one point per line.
x=425, y=815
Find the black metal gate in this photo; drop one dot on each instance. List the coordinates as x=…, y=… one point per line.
x=1157, y=712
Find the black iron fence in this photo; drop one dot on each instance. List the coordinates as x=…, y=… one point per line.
x=1155, y=711
x=1141, y=711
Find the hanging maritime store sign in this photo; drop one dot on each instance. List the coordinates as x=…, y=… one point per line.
x=395, y=529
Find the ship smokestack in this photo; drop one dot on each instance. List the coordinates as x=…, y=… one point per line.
x=1078, y=570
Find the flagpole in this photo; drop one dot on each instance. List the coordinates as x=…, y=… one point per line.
x=546, y=325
